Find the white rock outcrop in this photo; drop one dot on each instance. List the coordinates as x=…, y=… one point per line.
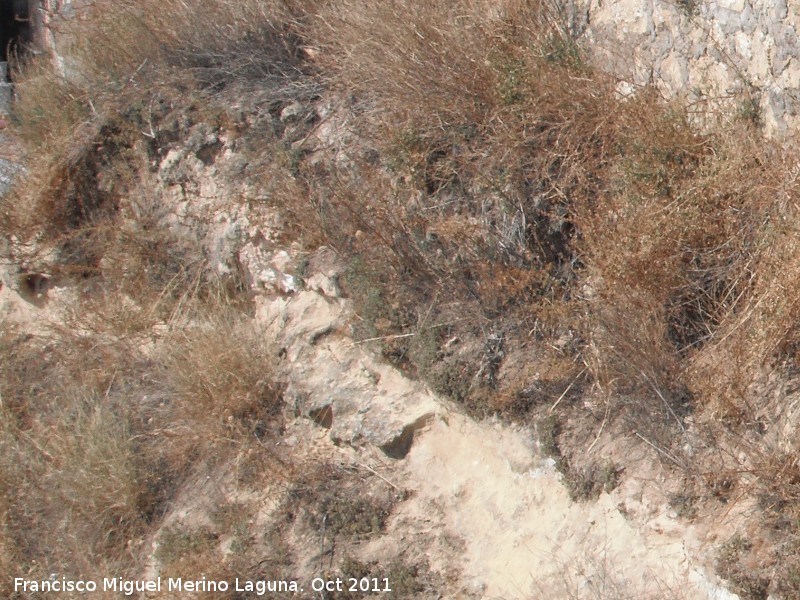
x=709, y=51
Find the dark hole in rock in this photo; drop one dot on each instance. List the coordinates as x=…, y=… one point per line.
x=208, y=153
x=322, y=416
x=399, y=447
x=33, y=287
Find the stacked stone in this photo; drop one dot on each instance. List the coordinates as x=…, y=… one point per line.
x=705, y=50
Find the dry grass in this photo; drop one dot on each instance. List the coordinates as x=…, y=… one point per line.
x=508, y=173
x=115, y=51
x=61, y=438
x=496, y=197
x=219, y=372
x=512, y=174
x=97, y=434
x=501, y=152
x=129, y=67
x=499, y=173
x=155, y=369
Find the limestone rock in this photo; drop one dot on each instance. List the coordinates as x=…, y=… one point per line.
x=702, y=50
x=339, y=385
x=292, y=112
x=322, y=272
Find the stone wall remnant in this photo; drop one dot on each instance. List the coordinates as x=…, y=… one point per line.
x=743, y=54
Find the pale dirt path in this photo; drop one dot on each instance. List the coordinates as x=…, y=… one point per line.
x=485, y=506
x=525, y=538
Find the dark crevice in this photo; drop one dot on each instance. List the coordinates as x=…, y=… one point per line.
x=16, y=30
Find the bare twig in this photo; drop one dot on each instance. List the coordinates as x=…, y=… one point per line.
x=384, y=337
x=566, y=391
x=661, y=451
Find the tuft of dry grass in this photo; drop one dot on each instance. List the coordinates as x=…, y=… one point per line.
x=112, y=52
x=219, y=371
x=98, y=432
x=68, y=475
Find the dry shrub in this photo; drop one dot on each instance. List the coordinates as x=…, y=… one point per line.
x=405, y=56
x=509, y=173
x=686, y=262
x=641, y=242
x=219, y=373
x=70, y=481
x=701, y=249
x=505, y=156
x=136, y=271
x=209, y=393
x=99, y=432
x=757, y=336
x=489, y=125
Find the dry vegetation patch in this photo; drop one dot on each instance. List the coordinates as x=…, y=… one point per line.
x=97, y=435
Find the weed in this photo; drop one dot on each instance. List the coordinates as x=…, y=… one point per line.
x=276, y=565
x=341, y=514
x=511, y=86
x=589, y=482
x=233, y=519
x=786, y=580
x=730, y=565
x=684, y=505
x=454, y=379
x=355, y=518
x=563, y=50
x=547, y=430
x=583, y=483
x=406, y=580
x=363, y=284
x=750, y=111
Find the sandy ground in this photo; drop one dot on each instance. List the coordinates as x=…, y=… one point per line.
x=522, y=535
